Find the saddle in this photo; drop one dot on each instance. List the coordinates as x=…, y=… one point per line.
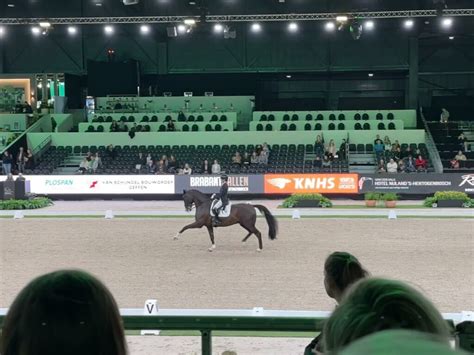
x=224, y=212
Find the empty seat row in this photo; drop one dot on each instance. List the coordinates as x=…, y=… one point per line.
x=332, y=117
x=318, y=127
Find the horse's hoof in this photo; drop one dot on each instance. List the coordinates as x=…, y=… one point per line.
x=212, y=248
x=176, y=237
x=259, y=250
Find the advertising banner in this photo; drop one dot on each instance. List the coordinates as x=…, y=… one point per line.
x=243, y=184
x=100, y=184
x=416, y=183
x=311, y=183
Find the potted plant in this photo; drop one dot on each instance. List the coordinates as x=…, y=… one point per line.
x=371, y=199
x=307, y=200
x=390, y=199
x=451, y=199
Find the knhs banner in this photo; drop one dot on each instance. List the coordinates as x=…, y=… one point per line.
x=416, y=183
x=311, y=183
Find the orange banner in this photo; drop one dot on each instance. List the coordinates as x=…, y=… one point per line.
x=311, y=183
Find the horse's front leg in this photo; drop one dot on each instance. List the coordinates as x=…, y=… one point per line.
x=197, y=224
x=211, y=235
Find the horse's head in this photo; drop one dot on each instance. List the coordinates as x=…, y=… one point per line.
x=188, y=201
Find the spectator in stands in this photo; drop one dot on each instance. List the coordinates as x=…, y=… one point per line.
x=401, y=166
x=319, y=146
x=172, y=164
x=342, y=150
x=122, y=126
x=114, y=127
x=377, y=138
x=246, y=159
x=111, y=152
x=263, y=157
x=341, y=270
x=331, y=150
x=187, y=170
x=20, y=160
x=9, y=177
x=84, y=166
x=206, y=167
x=387, y=144
x=258, y=149
x=397, y=154
x=131, y=133
x=373, y=305
x=165, y=160
x=237, y=159
x=381, y=166
x=444, y=117
x=7, y=161
x=266, y=148
x=462, y=141
x=254, y=158
x=140, y=161
x=28, y=159
x=421, y=164
x=95, y=162
x=378, y=149
x=181, y=117
x=151, y=166
x=161, y=168
x=410, y=165
x=407, y=152
x=171, y=127
x=392, y=166
x=326, y=163
x=63, y=312
x=149, y=159
x=216, y=168
x=318, y=163
x=396, y=146
x=458, y=161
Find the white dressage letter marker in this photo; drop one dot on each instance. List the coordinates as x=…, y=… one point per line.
x=257, y=311
x=151, y=307
x=149, y=332
x=392, y=214
x=109, y=214
x=296, y=214
x=18, y=215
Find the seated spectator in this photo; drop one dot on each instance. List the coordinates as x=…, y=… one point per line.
x=387, y=144
x=444, y=117
x=187, y=170
x=454, y=164
x=263, y=157
x=410, y=165
x=246, y=159
x=326, y=163
x=397, y=154
x=461, y=158
x=181, y=116
x=374, y=305
x=392, y=166
x=131, y=133
x=149, y=158
x=378, y=149
x=406, y=153
x=165, y=160
x=340, y=271
x=318, y=163
x=114, y=127
x=151, y=166
x=237, y=159
x=95, y=162
x=63, y=312
x=331, y=150
x=381, y=166
x=172, y=164
x=84, y=166
x=140, y=161
x=111, y=152
x=377, y=138
x=206, y=167
x=258, y=149
x=463, y=143
x=216, y=168
x=29, y=159
x=319, y=146
x=161, y=168
x=342, y=150
x=122, y=127
x=396, y=146
x=171, y=127
x=254, y=158
x=401, y=166
x=421, y=164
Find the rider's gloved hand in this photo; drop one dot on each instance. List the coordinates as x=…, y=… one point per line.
x=213, y=196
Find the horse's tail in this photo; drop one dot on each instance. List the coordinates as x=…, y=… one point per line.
x=271, y=221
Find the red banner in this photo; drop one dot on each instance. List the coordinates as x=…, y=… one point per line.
x=311, y=183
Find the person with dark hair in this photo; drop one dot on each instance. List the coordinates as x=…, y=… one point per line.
x=21, y=160
x=374, y=305
x=63, y=312
x=7, y=161
x=206, y=167
x=341, y=270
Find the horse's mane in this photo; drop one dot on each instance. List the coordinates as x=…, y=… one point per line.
x=198, y=195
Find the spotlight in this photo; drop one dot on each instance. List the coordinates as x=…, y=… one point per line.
x=451, y=37
x=108, y=30
x=409, y=24
x=2, y=31
x=144, y=29
x=72, y=30
x=293, y=27
x=36, y=31
x=369, y=25
x=447, y=22
x=288, y=76
x=44, y=24
x=371, y=75
x=218, y=28
x=182, y=28
x=190, y=21
x=330, y=26
x=256, y=27
x=342, y=18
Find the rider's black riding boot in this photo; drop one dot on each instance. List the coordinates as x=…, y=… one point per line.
x=216, y=220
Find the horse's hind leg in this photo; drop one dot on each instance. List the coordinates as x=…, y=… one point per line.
x=211, y=235
x=248, y=235
x=259, y=237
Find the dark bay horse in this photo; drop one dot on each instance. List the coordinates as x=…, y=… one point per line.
x=243, y=214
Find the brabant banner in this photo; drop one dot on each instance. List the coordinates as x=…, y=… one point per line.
x=311, y=183
x=244, y=184
x=100, y=184
x=416, y=183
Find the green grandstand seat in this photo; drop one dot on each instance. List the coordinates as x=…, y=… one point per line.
x=365, y=117
x=218, y=127
x=139, y=128
x=295, y=117
x=194, y=128
x=223, y=118
x=357, y=126
x=208, y=128
x=268, y=127
x=145, y=119
x=123, y=119
x=341, y=126
x=404, y=146
x=162, y=128
x=109, y=119
x=391, y=126
x=271, y=117
x=292, y=127
x=168, y=118
x=154, y=118
x=259, y=127
x=283, y=127
x=131, y=119
x=332, y=117
x=100, y=119
x=318, y=127
x=307, y=127
x=309, y=117
x=357, y=117
x=381, y=126
x=366, y=126
x=320, y=117
x=100, y=128
x=379, y=116
x=214, y=118
x=147, y=128
x=263, y=117
x=85, y=149
x=352, y=147
x=332, y=126
x=390, y=116
x=185, y=128
x=77, y=149
x=200, y=118
x=286, y=117
x=191, y=118
x=360, y=148
x=95, y=120
x=369, y=147
x=341, y=117
x=413, y=146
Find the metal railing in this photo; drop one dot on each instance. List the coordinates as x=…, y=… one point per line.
x=430, y=145
x=257, y=320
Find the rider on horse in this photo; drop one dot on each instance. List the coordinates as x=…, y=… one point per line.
x=223, y=200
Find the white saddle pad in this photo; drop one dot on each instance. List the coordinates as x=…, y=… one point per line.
x=225, y=212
